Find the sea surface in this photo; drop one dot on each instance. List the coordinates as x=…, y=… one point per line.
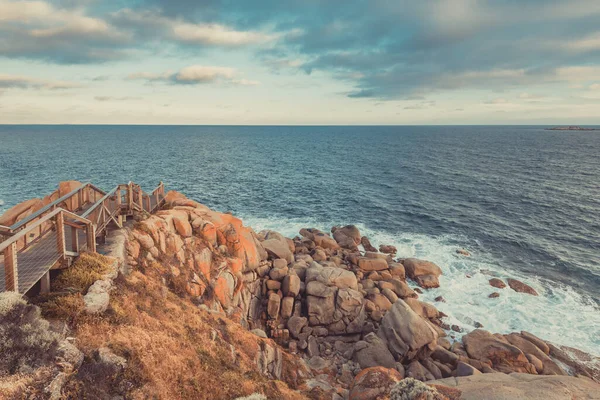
x=523, y=200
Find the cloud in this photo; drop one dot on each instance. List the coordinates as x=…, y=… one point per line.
x=147, y=24
x=23, y=82
x=38, y=29
x=194, y=75
x=113, y=98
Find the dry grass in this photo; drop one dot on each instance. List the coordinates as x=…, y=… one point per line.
x=171, y=355
x=68, y=308
x=88, y=268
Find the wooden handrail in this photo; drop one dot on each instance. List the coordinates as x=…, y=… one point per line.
x=99, y=202
x=47, y=208
x=36, y=224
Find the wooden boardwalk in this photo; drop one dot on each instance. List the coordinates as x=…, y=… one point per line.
x=54, y=235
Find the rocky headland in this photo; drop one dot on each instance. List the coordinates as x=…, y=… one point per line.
x=200, y=306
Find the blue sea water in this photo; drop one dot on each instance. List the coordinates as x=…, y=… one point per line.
x=523, y=200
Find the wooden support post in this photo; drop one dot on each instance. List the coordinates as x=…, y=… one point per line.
x=129, y=198
x=148, y=204
x=119, y=216
x=140, y=199
x=45, y=283
x=80, y=199
x=11, y=274
x=74, y=240
x=60, y=235
x=91, y=238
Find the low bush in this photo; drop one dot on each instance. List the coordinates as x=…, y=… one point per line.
x=26, y=341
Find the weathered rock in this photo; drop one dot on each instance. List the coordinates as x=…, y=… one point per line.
x=106, y=356
x=388, y=249
x=373, y=383
x=97, y=298
x=367, y=244
x=182, y=225
x=539, y=343
x=291, y=285
x=278, y=249
x=527, y=347
x=463, y=252
x=295, y=325
x=402, y=289
x=464, y=369
x=259, y=332
x=287, y=307
x=397, y=270
x=521, y=287
x=372, y=264
x=319, y=238
x=494, y=295
x=273, y=305
x=424, y=273
x=373, y=352
x=403, y=330
x=495, y=386
x=417, y=371
x=320, y=303
x=332, y=276
x=497, y=283
x=503, y=356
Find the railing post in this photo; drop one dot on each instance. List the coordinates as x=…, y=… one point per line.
x=91, y=238
x=80, y=199
x=74, y=240
x=119, y=216
x=11, y=274
x=60, y=235
x=129, y=198
x=140, y=199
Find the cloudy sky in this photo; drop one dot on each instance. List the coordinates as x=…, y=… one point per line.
x=300, y=61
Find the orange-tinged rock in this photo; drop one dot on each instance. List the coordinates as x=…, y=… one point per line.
x=133, y=248
x=20, y=211
x=374, y=383
x=182, y=225
x=203, y=261
x=235, y=265
x=174, y=243
x=67, y=187
x=372, y=264
x=223, y=289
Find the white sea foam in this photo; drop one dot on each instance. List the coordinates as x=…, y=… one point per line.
x=559, y=314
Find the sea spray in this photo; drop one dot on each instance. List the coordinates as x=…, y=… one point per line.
x=559, y=314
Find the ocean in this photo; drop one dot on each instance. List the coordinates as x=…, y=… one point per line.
x=523, y=200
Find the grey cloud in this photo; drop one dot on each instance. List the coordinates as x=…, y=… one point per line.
x=23, y=82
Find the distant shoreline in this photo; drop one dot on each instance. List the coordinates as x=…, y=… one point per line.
x=571, y=128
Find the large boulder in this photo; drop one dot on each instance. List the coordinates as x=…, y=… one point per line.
x=372, y=264
x=424, y=273
x=319, y=238
x=521, y=287
x=348, y=237
x=373, y=352
x=405, y=332
x=320, y=303
x=484, y=347
x=332, y=276
x=549, y=367
x=278, y=249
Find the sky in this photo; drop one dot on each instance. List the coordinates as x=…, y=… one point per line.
x=300, y=62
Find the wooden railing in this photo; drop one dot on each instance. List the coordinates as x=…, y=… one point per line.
x=29, y=248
